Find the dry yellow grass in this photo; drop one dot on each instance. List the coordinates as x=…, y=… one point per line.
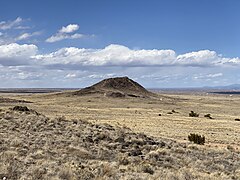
x=142, y=114
x=35, y=146
x=32, y=146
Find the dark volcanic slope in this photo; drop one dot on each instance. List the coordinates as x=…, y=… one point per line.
x=116, y=87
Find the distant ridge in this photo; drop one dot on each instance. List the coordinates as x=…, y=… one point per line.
x=116, y=87
x=230, y=87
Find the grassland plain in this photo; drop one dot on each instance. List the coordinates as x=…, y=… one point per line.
x=165, y=118
x=142, y=114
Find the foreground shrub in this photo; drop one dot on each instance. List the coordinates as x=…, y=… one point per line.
x=197, y=139
x=21, y=108
x=193, y=114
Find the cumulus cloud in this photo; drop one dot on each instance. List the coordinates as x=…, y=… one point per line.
x=118, y=55
x=15, y=54
x=69, y=28
x=230, y=61
x=112, y=55
x=23, y=65
x=203, y=57
x=64, y=33
x=10, y=24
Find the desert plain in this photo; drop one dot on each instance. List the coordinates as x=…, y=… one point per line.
x=165, y=118
x=142, y=114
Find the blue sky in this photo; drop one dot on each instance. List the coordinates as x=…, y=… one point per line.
x=72, y=43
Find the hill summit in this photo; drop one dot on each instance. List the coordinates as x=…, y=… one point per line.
x=116, y=87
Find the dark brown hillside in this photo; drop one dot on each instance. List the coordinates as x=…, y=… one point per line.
x=116, y=87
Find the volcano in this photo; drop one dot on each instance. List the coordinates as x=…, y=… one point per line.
x=116, y=87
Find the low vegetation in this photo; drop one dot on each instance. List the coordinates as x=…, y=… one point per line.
x=21, y=108
x=208, y=116
x=193, y=114
x=197, y=139
x=33, y=146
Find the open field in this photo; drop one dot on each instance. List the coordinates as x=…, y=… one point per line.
x=81, y=145
x=142, y=114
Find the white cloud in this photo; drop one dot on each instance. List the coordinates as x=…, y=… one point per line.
x=230, y=61
x=14, y=31
x=64, y=33
x=215, y=75
x=118, y=55
x=112, y=55
x=22, y=65
x=207, y=77
x=203, y=57
x=59, y=37
x=71, y=75
x=25, y=36
x=101, y=76
x=69, y=28
x=15, y=54
x=10, y=24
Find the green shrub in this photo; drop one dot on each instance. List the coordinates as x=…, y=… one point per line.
x=193, y=114
x=197, y=139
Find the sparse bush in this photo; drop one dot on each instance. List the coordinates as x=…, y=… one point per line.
x=169, y=113
x=146, y=168
x=21, y=108
x=208, y=116
x=123, y=160
x=173, y=111
x=197, y=139
x=237, y=119
x=193, y=114
x=230, y=148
